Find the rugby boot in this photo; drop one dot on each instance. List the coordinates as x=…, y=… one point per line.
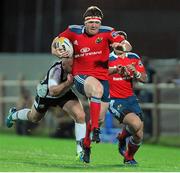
x=86, y=152
x=9, y=121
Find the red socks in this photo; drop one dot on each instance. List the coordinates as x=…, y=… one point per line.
x=87, y=139
x=124, y=134
x=132, y=149
x=95, y=106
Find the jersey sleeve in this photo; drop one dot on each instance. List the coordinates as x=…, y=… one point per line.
x=54, y=77
x=115, y=37
x=139, y=66
x=67, y=33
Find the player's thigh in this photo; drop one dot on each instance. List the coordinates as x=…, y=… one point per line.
x=75, y=109
x=104, y=108
x=93, y=86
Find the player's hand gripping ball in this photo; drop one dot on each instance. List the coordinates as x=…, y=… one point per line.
x=65, y=44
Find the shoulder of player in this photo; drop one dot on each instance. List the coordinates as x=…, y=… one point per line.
x=105, y=29
x=56, y=63
x=112, y=56
x=78, y=29
x=56, y=66
x=132, y=55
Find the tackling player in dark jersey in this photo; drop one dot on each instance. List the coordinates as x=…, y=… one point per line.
x=54, y=90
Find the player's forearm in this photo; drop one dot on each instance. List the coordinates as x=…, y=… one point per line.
x=112, y=70
x=58, y=89
x=126, y=46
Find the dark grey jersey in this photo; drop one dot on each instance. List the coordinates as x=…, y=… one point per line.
x=55, y=76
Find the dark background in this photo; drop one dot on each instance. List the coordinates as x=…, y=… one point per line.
x=153, y=26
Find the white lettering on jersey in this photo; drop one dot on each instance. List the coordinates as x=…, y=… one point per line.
x=88, y=54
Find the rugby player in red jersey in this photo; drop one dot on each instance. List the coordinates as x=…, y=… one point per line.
x=124, y=68
x=91, y=43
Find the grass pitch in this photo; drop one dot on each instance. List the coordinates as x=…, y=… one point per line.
x=29, y=154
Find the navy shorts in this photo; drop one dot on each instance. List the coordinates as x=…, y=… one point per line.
x=79, y=84
x=42, y=104
x=120, y=107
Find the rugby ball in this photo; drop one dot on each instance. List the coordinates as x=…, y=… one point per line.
x=64, y=43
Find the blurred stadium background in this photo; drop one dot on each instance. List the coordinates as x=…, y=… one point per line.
x=153, y=28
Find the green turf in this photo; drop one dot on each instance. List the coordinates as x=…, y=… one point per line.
x=47, y=154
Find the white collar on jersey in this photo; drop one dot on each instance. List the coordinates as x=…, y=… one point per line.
x=83, y=29
x=113, y=54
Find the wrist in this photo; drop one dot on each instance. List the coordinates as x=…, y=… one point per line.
x=115, y=70
x=66, y=83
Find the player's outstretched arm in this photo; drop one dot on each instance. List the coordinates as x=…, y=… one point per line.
x=124, y=46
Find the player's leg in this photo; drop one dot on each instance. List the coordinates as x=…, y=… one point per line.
x=104, y=108
x=136, y=128
x=94, y=90
x=122, y=136
x=13, y=116
x=86, y=143
x=24, y=114
x=118, y=108
x=74, y=109
x=33, y=115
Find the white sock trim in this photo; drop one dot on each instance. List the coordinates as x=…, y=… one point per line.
x=21, y=114
x=80, y=131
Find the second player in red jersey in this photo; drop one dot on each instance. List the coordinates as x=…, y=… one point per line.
x=121, y=85
x=124, y=69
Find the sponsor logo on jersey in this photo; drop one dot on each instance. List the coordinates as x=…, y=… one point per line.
x=99, y=40
x=85, y=50
x=88, y=54
x=121, y=78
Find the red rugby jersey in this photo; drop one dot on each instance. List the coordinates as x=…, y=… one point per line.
x=91, y=53
x=120, y=87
